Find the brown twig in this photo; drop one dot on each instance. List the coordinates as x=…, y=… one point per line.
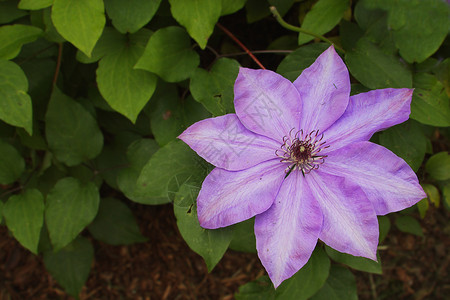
x=234, y=38
x=58, y=64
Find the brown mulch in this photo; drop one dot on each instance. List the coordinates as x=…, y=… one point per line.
x=165, y=268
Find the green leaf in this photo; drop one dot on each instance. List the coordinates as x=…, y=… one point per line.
x=260, y=289
x=419, y=26
x=110, y=41
x=71, y=265
x=198, y=16
x=70, y=207
x=80, y=22
x=24, y=215
x=244, y=236
x=131, y=15
x=174, y=162
x=214, y=89
x=432, y=195
x=340, y=285
x=355, y=262
x=422, y=206
x=170, y=115
x=9, y=11
x=430, y=104
x=384, y=225
x=15, y=108
x=12, y=163
x=209, y=244
x=138, y=154
x=407, y=141
x=350, y=33
x=308, y=280
x=51, y=33
x=13, y=37
x=302, y=285
x=293, y=65
x=34, y=4
x=446, y=194
x=231, y=6
x=438, y=166
x=323, y=17
x=409, y=225
x=376, y=69
x=115, y=224
x=256, y=10
x=72, y=132
x=125, y=89
x=375, y=24
x=169, y=54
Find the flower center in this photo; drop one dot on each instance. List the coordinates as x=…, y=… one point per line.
x=301, y=151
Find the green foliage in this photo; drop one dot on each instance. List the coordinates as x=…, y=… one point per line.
x=305, y=283
x=244, y=237
x=174, y=163
x=419, y=26
x=438, y=166
x=308, y=280
x=357, y=263
x=376, y=69
x=70, y=207
x=12, y=164
x=409, y=225
x=340, y=285
x=72, y=132
x=71, y=265
x=94, y=93
x=9, y=11
x=431, y=104
x=115, y=224
x=34, y=4
x=208, y=243
x=292, y=66
x=24, y=215
x=14, y=37
x=169, y=55
x=130, y=16
x=214, y=89
x=80, y=22
x=197, y=16
x=16, y=103
x=408, y=141
x=125, y=89
x=323, y=17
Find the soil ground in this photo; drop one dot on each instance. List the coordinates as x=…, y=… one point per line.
x=165, y=268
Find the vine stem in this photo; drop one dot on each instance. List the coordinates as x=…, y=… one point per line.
x=283, y=23
x=58, y=64
x=234, y=38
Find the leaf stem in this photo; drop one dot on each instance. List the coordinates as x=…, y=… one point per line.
x=58, y=64
x=234, y=38
x=283, y=23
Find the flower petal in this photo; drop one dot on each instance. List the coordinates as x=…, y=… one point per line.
x=286, y=234
x=350, y=224
x=266, y=103
x=324, y=88
x=229, y=197
x=227, y=144
x=367, y=113
x=387, y=180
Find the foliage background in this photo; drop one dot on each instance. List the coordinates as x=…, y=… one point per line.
x=93, y=94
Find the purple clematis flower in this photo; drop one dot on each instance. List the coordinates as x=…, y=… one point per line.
x=297, y=156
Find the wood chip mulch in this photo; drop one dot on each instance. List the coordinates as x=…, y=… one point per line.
x=165, y=268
